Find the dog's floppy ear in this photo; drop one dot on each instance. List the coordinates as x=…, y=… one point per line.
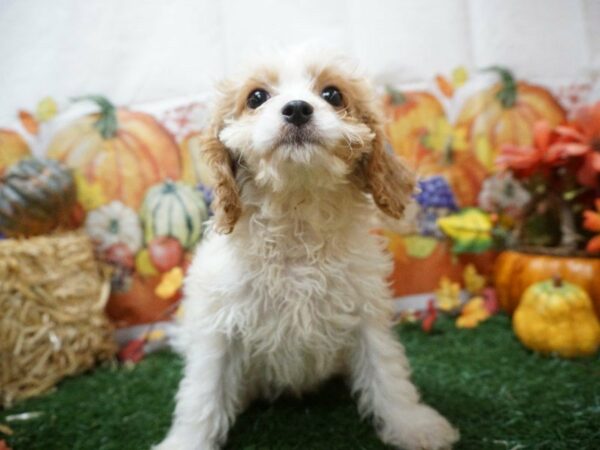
x=384, y=175
x=226, y=204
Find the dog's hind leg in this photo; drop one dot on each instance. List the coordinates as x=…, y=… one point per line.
x=380, y=376
x=208, y=398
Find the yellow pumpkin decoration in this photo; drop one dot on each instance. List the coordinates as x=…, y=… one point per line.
x=556, y=316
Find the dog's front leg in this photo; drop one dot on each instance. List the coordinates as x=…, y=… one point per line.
x=381, y=378
x=207, y=399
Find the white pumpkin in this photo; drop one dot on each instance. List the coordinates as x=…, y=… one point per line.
x=114, y=223
x=174, y=209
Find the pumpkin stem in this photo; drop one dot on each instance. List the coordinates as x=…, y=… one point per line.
x=507, y=95
x=397, y=97
x=557, y=281
x=107, y=124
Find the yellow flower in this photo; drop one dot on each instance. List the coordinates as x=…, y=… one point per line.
x=443, y=136
x=170, y=283
x=46, y=109
x=90, y=195
x=473, y=313
x=474, y=282
x=448, y=295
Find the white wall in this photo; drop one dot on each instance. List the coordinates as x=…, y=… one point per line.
x=138, y=51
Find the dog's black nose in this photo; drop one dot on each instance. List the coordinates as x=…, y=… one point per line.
x=297, y=112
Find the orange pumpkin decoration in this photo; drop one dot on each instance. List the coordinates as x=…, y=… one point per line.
x=410, y=116
x=139, y=304
x=422, y=274
x=123, y=151
x=505, y=114
x=516, y=271
x=194, y=168
x=12, y=149
x=462, y=170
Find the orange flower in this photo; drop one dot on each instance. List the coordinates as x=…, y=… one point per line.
x=525, y=159
x=591, y=221
x=582, y=138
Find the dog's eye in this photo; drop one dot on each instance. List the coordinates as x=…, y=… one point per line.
x=333, y=96
x=257, y=98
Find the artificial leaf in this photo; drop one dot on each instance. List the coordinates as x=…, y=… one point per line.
x=448, y=295
x=29, y=122
x=491, y=300
x=430, y=316
x=170, y=283
x=474, y=282
x=470, y=230
x=133, y=351
x=473, y=313
x=444, y=85
x=90, y=195
x=460, y=75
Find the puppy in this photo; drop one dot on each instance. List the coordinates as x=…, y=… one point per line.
x=289, y=287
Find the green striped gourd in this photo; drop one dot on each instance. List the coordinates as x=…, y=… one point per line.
x=174, y=209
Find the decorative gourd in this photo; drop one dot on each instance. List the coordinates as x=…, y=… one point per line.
x=113, y=224
x=12, y=149
x=555, y=316
x=462, y=170
x=410, y=115
x=515, y=271
x=505, y=113
x=36, y=197
x=174, y=209
x=123, y=151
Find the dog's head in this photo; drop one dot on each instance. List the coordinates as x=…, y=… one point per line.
x=304, y=118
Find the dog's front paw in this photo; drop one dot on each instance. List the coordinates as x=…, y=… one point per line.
x=179, y=442
x=420, y=428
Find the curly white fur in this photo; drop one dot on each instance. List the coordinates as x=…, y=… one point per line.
x=297, y=292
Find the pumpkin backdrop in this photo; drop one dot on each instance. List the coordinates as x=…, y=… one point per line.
x=143, y=192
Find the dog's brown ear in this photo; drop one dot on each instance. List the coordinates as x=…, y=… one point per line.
x=226, y=204
x=384, y=175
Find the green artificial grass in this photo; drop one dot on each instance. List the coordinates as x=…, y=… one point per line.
x=500, y=395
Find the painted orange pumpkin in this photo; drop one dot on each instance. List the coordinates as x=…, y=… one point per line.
x=194, y=168
x=124, y=152
x=410, y=117
x=12, y=149
x=505, y=114
x=462, y=170
x=515, y=271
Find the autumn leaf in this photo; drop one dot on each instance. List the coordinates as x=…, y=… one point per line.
x=170, y=283
x=46, y=109
x=448, y=295
x=29, y=122
x=430, y=317
x=133, y=351
x=473, y=313
x=90, y=195
x=474, y=282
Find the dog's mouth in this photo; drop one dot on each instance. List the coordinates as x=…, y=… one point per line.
x=298, y=137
